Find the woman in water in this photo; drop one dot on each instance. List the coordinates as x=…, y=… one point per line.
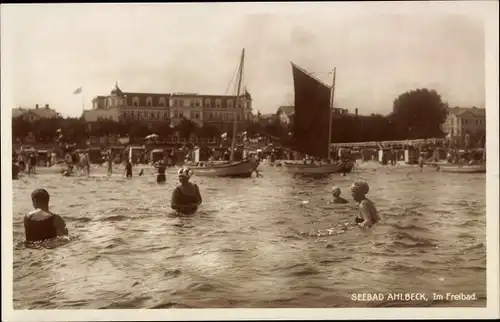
x=186, y=197
x=368, y=215
x=162, y=167
x=336, y=196
x=40, y=224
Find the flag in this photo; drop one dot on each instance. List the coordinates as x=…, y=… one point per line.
x=78, y=90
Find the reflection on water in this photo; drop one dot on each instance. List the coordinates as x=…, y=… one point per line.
x=254, y=242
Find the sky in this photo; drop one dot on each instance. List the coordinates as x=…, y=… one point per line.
x=379, y=52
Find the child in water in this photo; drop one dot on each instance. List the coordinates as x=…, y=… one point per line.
x=336, y=196
x=368, y=215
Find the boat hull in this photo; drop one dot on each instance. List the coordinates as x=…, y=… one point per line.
x=475, y=168
x=322, y=169
x=241, y=169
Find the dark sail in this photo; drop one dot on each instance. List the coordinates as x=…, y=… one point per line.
x=312, y=113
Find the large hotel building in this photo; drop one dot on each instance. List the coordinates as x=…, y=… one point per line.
x=219, y=111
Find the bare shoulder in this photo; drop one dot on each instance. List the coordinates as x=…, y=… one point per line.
x=38, y=215
x=365, y=204
x=58, y=218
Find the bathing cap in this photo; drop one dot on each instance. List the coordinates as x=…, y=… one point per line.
x=336, y=191
x=360, y=187
x=185, y=172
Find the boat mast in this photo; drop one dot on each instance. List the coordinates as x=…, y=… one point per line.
x=331, y=110
x=240, y=74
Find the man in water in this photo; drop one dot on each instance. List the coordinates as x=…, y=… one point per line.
x=336, y=196
x=32, y=163
x=368, y=215
x=20, y=162
x=85, y=162
x=40, y=224
x=255, y=160
x=186, y=197
x=109, y=160
x=128, y=169
x=421, y=161
x=162, y=167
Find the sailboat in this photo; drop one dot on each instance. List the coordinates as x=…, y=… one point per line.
x=237, y=169
x=313, y=125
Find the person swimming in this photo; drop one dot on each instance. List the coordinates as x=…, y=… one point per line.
x=368, y=215
x=128, y=169
x=336, y=196
x=40, y=224
x=186, y=197
x=162, y=167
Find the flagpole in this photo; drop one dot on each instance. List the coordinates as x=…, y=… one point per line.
x=83, y=102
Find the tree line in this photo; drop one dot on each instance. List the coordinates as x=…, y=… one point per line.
x=416, y=114
x=77, y=130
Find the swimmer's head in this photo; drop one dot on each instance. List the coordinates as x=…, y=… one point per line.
x=184, y=174
x=336, y=191
x=359, y=189
x=40, y=198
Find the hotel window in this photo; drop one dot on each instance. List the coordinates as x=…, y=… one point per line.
x=149, y=101
x=135, y=101
x=218, y=103
x=230, y=104
x=176, y=113
x=207, y=102
x=162, y=101
x=181, y=114
x=197, y=103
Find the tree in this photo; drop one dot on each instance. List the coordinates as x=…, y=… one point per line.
x=162, y=128
x=20, y=128
x=186, y=128
x=138, y=129
x=208, y=131
x=254, y=129
x=419, y=114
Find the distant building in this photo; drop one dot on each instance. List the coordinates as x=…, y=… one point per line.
x=216, y=110
x=285, y=114
x=461, y=121
x=34, y=114
x=112, y=113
